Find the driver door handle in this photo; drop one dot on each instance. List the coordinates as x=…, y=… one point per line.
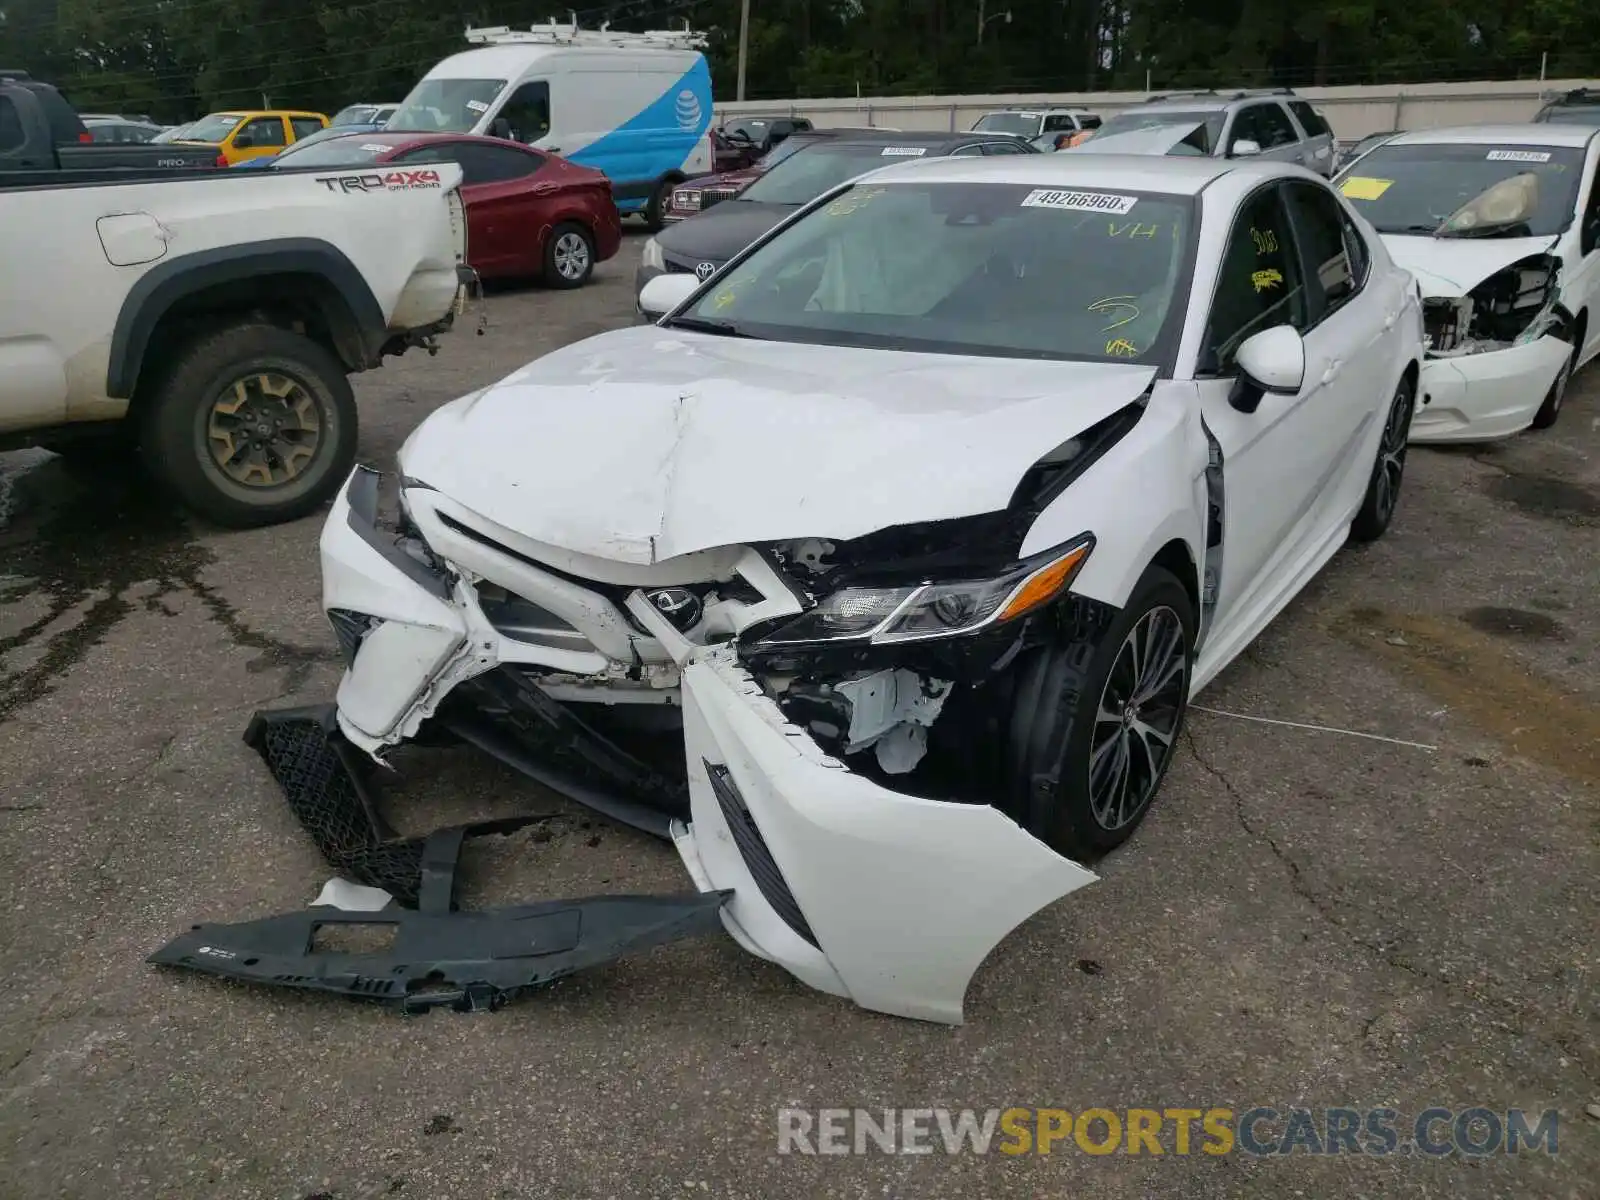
x=1332, y=372
x=546, y=189
x=1388, y=322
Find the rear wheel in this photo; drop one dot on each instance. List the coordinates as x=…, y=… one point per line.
x=251, y=425
x=568, y=256
x=655, y=208
x=1096, y=721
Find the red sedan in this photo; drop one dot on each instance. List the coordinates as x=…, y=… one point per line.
x=529, y=212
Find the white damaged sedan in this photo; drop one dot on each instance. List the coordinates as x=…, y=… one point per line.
x=1501, y=226
x=878, y=574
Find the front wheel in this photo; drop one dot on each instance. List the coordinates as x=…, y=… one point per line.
x=568, y=256
x=1383, y=488
x=656, y=207
x=1096, y=721
x=1553, y=399
x=251, y=425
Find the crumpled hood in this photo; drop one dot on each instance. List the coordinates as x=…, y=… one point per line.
x=1454, y=266
x=721, y=231
x=647, y=443
x=1157, y=139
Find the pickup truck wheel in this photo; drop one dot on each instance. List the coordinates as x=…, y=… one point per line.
x=252, y=425
x=568, y=256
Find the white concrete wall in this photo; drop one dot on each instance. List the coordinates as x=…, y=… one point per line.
x=1353, y=112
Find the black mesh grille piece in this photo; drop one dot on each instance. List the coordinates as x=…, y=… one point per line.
x=753, y=849
x=325, y=796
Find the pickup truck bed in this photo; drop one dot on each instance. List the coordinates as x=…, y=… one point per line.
x=39, y=131
x=209, y=319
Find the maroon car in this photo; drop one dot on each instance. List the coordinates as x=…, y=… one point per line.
x=529, y=212
x=697, y=195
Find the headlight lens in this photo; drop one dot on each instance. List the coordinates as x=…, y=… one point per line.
x=935, y=610
x=651, y=256
x=687, y=200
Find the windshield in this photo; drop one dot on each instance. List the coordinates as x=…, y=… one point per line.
x=1575, y=115
x=816, y=168
x=345, y=149
x=990, y=269
x=1414, y=188
x=1026, y=124
x=1149, y=119
x=448, y=105
x=356, y=114
x=214, y=128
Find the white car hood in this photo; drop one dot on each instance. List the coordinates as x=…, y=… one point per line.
x=646, y=443
x=1454, y=266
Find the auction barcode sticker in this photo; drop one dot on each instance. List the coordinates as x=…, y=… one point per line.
x=1519, y=156
x=904, y=151
x=477, y=106
x=1101, y=202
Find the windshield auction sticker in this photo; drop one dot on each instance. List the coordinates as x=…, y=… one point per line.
x=1538, y=156
x=1364, y=187
x=904, y=151
x=1100, y=202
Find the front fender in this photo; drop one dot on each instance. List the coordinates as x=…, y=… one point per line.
x=1146, y=491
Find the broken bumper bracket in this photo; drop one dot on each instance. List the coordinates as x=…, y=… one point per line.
x=439, y=956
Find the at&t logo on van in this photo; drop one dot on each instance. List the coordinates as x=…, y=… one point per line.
x=688, y=110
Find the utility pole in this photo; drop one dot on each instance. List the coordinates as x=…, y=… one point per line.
x=984, y=20
x=744, y=41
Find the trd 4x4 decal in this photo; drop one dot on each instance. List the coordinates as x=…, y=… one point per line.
x=374, y=181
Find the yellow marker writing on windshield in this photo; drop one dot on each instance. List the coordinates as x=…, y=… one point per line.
x=852, y=200
x=1265, y=280
x=1121, y=348
x=1112, y=304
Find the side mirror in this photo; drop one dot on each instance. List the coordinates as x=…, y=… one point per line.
x=500, y=128
x=1244, y=148
x=665, y=292
x=1273, y=360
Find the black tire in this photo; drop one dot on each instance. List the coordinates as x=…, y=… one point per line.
x=185, y=430
x=1055, y=735
x=1388, y=471
x=1550, y=410
x=568, y=256
x=655, y=208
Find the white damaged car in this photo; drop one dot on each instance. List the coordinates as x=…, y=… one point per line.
x=878, y=574
x=1501, y=226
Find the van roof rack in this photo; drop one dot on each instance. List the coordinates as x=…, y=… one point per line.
x=551, y=34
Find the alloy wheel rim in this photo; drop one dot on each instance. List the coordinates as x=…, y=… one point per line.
x=1392, y=453
x=1137, y=718
x=571, y=255
x=264, y=430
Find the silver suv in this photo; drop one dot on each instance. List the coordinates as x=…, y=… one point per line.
x=1265, y=124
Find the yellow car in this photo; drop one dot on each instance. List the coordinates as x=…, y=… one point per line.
x=243, y=135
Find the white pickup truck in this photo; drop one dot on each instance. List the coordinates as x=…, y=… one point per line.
x=210, y=319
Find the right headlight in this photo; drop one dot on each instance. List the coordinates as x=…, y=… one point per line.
x=651, y=256
x=935, y=610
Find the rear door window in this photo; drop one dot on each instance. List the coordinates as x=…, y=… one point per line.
x=261, y=131
x=1325, y=257
x=1307, y=116
x=11, y=136
x=305, y=126
x=1275, y=123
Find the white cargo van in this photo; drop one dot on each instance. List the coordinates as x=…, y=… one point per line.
x=636, y=106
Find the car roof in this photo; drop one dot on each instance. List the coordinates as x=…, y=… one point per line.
x=931, y=141
x=1208, y=101
x=1103, y=172
x=1507, y=135
x=262, y=112
x=1044, y=111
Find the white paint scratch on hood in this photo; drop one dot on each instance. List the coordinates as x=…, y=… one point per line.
x=1454, y=266
x=646, y=443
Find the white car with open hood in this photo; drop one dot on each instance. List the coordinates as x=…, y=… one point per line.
x=1501, y=226
x=879, y=572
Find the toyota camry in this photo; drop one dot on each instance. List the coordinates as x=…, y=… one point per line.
x=878, y=572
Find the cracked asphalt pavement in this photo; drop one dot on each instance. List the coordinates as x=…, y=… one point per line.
x=1308, y=917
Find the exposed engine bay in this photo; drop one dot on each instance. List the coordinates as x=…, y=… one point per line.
x=1515, y=305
